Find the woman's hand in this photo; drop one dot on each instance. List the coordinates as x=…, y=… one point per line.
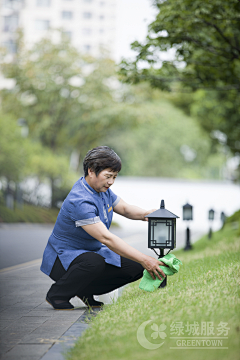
x=146, y=213
x=152, y=266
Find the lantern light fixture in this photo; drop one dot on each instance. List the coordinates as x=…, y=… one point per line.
x=162, y=232
x=162, y=229
x=188, y=215
x=187, y=212
x=211, y=214
x=223, y=217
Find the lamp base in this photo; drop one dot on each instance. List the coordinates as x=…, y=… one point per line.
x=210, y=234
x=188, y=245
x=164, y=283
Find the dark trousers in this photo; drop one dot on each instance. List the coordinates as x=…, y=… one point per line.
x=89, y=275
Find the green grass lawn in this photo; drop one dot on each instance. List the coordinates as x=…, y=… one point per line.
x=199, y=299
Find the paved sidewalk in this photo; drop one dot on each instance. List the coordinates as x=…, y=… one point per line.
x=29, y=326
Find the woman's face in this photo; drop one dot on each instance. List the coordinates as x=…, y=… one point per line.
x=103, y=181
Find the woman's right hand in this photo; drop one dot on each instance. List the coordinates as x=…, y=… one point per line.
x=152, y=266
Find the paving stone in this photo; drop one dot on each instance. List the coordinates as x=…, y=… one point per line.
x=31, y=322
x=34, y=319
x=4, y=348
x=22, y=326
x=22, y=306
x=27, y=352
x=8, y=300
x=54, y=314
x=5, y=323
x=9, y=314
x=44, y=313
x=66, y=341
x=49, y=332
x=11, y=339
x=23, y=292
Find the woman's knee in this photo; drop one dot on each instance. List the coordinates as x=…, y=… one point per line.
x=132, y=269
x=138, y=271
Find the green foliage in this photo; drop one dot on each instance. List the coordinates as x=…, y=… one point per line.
x=234, y=217
x=68, y=101
x=167, y=144
x=14, y=152
x=217, y=113
x=234, y=220
x=204, y=290
x=46, y=164
x=21, y=158
x=204, y=37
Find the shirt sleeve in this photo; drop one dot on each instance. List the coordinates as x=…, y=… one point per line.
x=115, y=198
x=85, y=213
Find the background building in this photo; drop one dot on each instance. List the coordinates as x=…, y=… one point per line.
x=90, y=24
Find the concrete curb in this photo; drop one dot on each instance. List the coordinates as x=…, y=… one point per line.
x=69, y=338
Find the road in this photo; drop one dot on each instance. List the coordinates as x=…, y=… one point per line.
x=20, y=243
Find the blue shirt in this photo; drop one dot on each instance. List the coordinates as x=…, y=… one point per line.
x=82, y=206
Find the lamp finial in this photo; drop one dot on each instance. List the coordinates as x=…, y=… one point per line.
x=162, y=205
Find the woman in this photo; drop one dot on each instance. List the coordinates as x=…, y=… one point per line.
x=82, y=256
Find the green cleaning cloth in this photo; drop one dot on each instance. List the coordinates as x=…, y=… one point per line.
x=148, y=284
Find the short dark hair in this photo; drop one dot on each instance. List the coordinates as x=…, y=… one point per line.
x=101, y=158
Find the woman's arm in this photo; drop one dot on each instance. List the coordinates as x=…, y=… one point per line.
x=131, y=211
x=113, y=242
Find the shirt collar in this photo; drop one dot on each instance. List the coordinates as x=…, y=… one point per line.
x=88, y=187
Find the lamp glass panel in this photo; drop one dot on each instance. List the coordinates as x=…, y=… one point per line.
x=211, y=215
x=161, y=233
x=187, y=214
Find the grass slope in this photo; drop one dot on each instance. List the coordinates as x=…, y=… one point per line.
x=205, y=291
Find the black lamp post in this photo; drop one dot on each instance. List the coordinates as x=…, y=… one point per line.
x=162, y=232
x=188, y=215
x=210, y=218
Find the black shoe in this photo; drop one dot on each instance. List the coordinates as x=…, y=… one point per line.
x=90, y=302
x=62, y=306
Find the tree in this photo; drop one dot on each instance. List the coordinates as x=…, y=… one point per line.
x=21, y=158
x=14, y=152
x=69, y=102
x=204, y=37
x=44, y=164
x=167, y=144
x=217, y=112
x=66, y=99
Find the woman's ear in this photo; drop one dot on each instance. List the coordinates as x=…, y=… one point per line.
x=90, y=172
